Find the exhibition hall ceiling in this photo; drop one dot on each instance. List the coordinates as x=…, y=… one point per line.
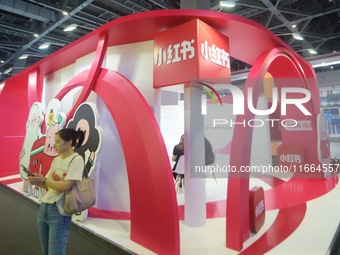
x=26, y=25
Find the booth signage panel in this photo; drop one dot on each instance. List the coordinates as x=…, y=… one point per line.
x=290, y=155
x=256, y=209
x=191, y=51
x=213, y=57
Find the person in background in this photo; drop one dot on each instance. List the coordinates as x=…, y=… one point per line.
x=209, y=152
x=66, y=169
x=178, y=151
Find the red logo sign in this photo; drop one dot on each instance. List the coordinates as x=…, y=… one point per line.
x=256, y=209
x=190, y=52
x=289, y=154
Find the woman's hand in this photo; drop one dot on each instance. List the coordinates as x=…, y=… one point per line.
x=36, y=179
x=56, y=177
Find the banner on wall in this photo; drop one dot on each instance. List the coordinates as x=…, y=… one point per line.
x=38, y=149
x=189, y=52
x=330, y=106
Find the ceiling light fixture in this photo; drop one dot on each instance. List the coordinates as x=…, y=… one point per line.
x=327, y=64
x=310, y=50
x=74, y=26
x=13, y=67
x=228, y=4
x=25, y=56
x=297, y=36
x=8, y=70
x=47, y=44
x=44, y=45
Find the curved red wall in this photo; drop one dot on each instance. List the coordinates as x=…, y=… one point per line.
x=249, y=42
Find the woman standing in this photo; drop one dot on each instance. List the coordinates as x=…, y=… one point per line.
x=66, y=169
x=178, y=151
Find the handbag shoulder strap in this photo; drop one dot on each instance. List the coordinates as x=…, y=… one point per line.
x=85, y=174
x=71, y=161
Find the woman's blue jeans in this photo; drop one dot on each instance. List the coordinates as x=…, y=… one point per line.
x=54, y=229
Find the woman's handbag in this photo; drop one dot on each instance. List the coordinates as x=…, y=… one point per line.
x=81, y=196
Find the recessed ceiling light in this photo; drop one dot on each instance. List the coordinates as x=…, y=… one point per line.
x=297, y=36
x=8, y=70
x=327, y=64
x=44, y=45
x=47, y=44
x=74, y=26
x=228, y=4
x=312, y=51
x=70, y=27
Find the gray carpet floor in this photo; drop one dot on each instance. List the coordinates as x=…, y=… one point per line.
x=19, y=232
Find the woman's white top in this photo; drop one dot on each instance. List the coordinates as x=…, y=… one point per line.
x=70, y=168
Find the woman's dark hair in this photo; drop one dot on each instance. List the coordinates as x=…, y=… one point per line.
x=180, y=145
x=76, y=136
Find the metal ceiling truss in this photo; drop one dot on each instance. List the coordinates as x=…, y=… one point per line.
x=317, y=21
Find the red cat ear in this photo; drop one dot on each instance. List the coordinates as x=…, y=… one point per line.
x=64, y=174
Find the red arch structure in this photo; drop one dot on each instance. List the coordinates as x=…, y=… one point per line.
x=145, y=155
x=144, y=151
x=280, y=63
x=154, y=213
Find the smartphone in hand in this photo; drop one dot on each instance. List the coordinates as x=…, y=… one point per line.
x=27, y=171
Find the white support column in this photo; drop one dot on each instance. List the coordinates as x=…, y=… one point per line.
x=195, y=202
x=195, y=198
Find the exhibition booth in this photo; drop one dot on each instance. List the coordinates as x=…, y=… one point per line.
x=136, y=85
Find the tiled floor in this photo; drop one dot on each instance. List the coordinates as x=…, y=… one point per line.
x=302, y=216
